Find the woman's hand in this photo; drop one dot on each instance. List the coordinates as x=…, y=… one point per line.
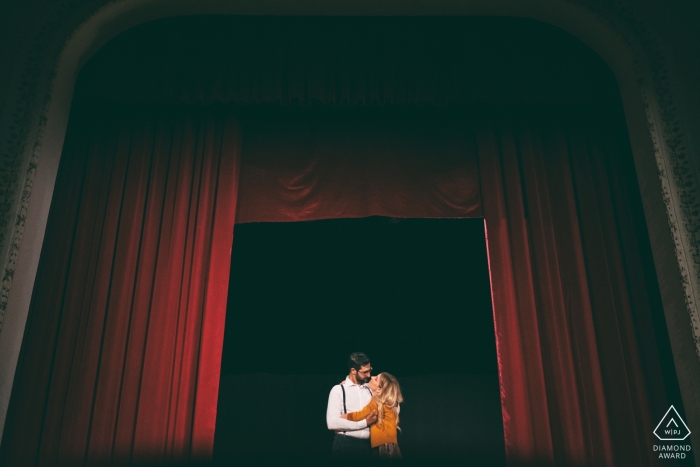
x=345, y=416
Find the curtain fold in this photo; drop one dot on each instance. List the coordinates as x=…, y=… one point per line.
x=122, y=352
x=558, y=199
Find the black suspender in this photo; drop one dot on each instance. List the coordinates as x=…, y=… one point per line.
x=345, y=409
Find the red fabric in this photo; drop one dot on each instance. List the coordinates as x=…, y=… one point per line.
x=122, y=353
x=562, y=253
x=321, y=170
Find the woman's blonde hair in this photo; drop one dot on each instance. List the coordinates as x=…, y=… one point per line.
x=390, y=396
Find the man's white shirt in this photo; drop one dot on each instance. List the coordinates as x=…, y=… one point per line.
x=356, y=398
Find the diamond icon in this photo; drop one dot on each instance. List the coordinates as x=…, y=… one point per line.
x=672, y=427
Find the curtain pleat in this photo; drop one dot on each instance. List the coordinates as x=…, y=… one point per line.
x=526, y=421
x=558, y=218
x=126, y=330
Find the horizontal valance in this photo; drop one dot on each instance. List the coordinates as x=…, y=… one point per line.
x=311, y=169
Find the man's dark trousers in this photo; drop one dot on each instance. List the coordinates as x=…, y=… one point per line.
x=348, y=447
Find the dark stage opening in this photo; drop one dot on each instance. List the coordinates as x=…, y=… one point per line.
x=411, y=293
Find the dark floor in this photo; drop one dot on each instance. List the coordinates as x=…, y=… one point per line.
x=443, y=417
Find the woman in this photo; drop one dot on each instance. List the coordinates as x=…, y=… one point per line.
x=386, y=397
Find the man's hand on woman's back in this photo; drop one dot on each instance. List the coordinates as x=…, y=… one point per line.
x=371, y=418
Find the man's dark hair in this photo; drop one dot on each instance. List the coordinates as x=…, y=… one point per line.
x=357, y=360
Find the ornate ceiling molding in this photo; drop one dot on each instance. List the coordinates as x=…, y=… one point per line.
x=677, y=173
x=21, y=144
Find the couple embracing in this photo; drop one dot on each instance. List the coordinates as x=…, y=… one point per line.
x=363, y=411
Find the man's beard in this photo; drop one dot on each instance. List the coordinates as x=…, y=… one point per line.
x=361, y=380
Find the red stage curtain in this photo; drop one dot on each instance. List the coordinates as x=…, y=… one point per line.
x=571, y=297
x=121, y=356
x=320, y=169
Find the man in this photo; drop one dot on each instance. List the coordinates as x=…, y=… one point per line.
x=351, y=438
